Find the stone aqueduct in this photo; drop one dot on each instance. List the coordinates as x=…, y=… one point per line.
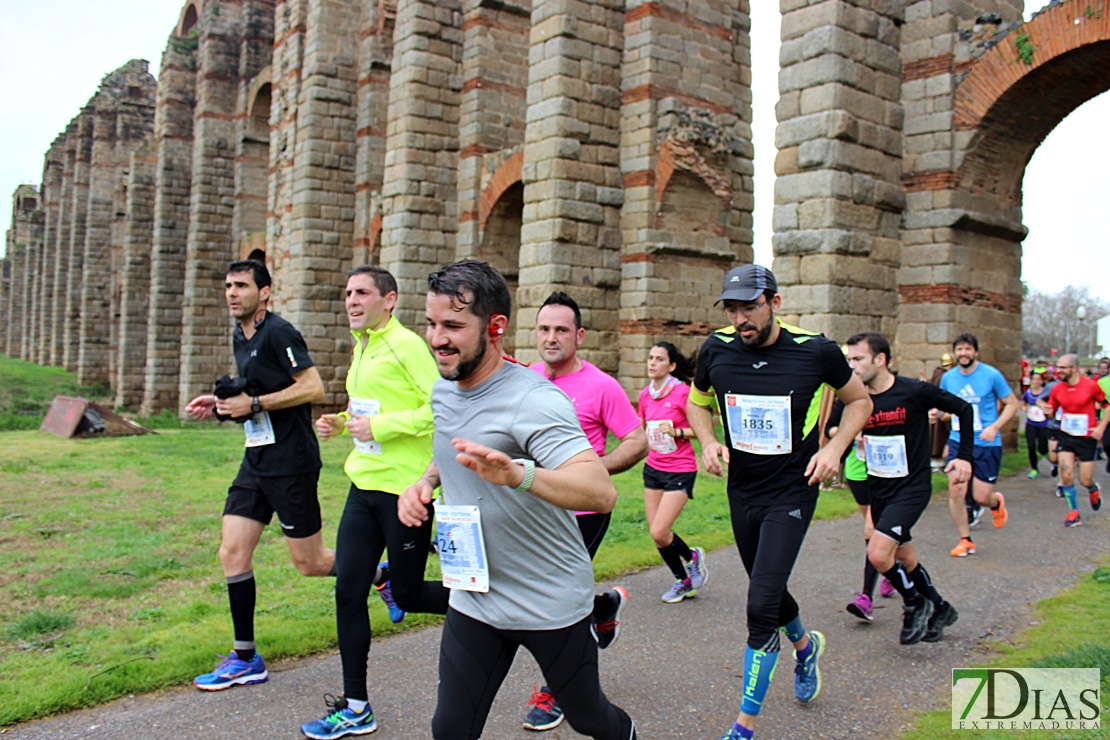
x=599, y=146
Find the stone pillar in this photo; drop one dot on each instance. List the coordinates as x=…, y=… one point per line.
x=68, y=142
x=838, y=203
x=205, y=340
x=570, y=238
x=419, y=196
x=52, y=204
x=134, y=277
x=5, y=302
x=15, y=268
x=173, y=144
x=686, y=164
x=252, y=158
x=71, y=320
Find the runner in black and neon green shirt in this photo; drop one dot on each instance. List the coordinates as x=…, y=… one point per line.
x=767, y=378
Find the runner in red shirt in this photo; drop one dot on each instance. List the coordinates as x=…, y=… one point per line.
x=1078, y=398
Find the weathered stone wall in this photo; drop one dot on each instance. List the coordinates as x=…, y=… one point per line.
x=133, y=276
x=23, y=257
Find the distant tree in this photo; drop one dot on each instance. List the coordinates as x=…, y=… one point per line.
x=1049, y=322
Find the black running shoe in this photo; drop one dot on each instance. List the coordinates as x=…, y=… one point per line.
x=943, y=616
x=915, y=620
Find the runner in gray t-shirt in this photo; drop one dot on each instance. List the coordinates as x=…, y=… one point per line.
x=508, y=446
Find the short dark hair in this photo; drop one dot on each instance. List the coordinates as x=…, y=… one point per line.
x=559, y=298
x=258, y=271
x=876, y=342
x=683, y=366
x=966, y=338
x=383, y=278
x=474, y=284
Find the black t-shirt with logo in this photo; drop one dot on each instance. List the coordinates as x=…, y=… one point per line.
x=903, y=409
x=795, y=367
x=269, y=360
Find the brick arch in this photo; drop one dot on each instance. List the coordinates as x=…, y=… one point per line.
x=262, y=86
x=507, y=175
x=1016, y=93
x=190, y=16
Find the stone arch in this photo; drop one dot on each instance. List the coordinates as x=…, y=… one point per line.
x=252, y=166
x=190, y=16
x=501, y=218
x=506, y=175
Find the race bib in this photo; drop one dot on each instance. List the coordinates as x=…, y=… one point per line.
x=978, y=424
x=1034, y=413
x=462, y=550
x=886, y=456
x=658, y=440
x=759, y=424
x=1074, y=424
x=366, y=407
x=259, y=430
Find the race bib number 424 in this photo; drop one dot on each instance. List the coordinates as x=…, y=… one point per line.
x=759, y=424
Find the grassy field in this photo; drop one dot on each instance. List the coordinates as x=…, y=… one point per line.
x=108, y=566
x=27, y=389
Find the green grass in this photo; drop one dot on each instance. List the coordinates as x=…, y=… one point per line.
x=111, y=582
x=26, y=391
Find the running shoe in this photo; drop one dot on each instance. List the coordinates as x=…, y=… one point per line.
x=1033, y=475
x=545, y=713
x=1096, y=498
x=606, y=631
x=396, y=613
x=232, y=672
x=732, y=734
x=697, y=570
x=886, y=588
x=861, y=607
x=679, y=591
x=1059, y=490
x=944, y=615
x=965, y=548
x=915, y=620
x=1072, y=519
x=340, y=721
x=807, y=673
x=999, y=515
x=974, y=514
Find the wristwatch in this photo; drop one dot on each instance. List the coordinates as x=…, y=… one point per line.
x=256, y=407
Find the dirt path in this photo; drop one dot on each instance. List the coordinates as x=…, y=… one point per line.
x=675, y=667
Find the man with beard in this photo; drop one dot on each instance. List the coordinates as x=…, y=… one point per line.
x=1079, y=398
x=602, y=408
x=281, y=465
x=983, y=387
x=896, y=447
x=766, y=378
x=515, y=466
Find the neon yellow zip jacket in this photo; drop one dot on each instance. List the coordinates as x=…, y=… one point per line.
x=396, y=370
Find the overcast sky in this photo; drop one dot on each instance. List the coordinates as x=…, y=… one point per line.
x=53, y=54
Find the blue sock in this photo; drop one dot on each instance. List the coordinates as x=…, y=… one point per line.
x=1069, y=491
x=742, y=731
x=794, y=629
x=803, y=655
x=759, y=667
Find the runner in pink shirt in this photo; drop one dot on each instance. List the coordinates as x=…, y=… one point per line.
x=602, y=407
x=671, y=468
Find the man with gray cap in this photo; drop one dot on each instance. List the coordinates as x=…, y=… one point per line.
x=766, y=378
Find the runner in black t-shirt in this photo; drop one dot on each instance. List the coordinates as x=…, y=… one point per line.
x=281, y=464
x=896, y=446
x=766, y=378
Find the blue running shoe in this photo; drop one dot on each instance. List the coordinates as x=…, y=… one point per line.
x=396, y=613
x=697, y=570
x=545, y=713
x=340, y=721
x=231, y=671
x=807, y=674
x=732, y=734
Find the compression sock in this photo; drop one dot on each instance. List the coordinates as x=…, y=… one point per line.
x=794, y=629
x=673, y=559
x=1070, y=492
x=898, y=578
x=870, y=575
x=759, y=667
x=924, y=584
x=241, y=595
x=684, y=550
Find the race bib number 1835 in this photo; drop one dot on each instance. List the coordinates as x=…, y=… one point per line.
x=759, y=424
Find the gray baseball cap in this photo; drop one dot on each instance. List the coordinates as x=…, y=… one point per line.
x=747, y=282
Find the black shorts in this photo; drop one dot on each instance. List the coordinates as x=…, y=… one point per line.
x=292, y=497
x=985, y=462
x=895, y=518
x=1083, y=447
x=861, y=491
x=1053, y=434
x=661, y=481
